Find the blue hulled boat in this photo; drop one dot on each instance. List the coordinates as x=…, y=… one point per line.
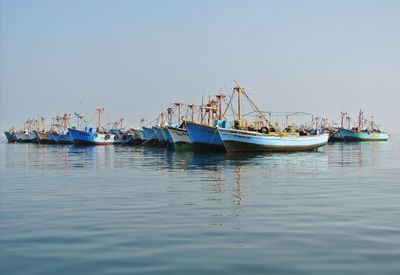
x=167, y=135
x=261, y=136
x=91, y=137
x=352, y=135
x=369, y=134
x=204, y=137
x=251, y=141
x=150, y=136
x=61, y=138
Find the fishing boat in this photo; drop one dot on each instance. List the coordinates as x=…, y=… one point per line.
x=365, y=135
x=205, y=137
x=90, y=136
x=251, y=141
x=40, y=133
x=169, y=128
x=263, y=137
x=93, y=136
x=371, y=133
x=26, y=135
x=60, y=134
x=122, y=137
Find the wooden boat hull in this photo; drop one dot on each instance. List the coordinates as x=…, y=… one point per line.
x=245, y=141
x=204, y=138
x=349, y=135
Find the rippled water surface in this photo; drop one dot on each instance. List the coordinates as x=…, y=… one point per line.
x=134, y=210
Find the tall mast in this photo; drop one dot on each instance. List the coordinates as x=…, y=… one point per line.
x=179, y=112
x=192, y=106
x=99, y=111
x=220, y=97
x=169, y=114
x=342, y=119
x=238, y=90
x=360, y=121
x=209, y=115
x=65, y=118
x=162, y=119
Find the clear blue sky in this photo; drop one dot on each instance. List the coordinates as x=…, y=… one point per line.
x=135, y=57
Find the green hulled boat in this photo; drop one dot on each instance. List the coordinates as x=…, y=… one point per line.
x=352, y=135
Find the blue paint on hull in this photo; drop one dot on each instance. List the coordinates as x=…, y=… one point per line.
x=349, y=135
x=10, y=137
x=246, y=141
x=204, y=137
x=159, y=134
x=149, y=134
x=62, y=138
x=91, y=138
x=167, y=135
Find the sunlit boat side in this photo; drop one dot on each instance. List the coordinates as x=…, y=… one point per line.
x=204, y=137
x=180, y=138
x=91, y=137
x=249, y=141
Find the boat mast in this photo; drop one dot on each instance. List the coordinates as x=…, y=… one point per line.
x=99, y=111
x=42, y=124
x=238, y=90
x=202, y=111
x=179, y=112
x=192, y=106
x=78, y=120
x=169, y=114
x=220, y=98
x=65, y=119
x=162, y=119
x=342, y=119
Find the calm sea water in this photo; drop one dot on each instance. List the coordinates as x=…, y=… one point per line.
x=134, y=210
